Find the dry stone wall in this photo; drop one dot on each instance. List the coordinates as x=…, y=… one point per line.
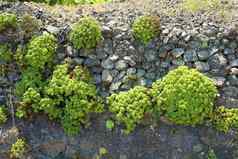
x=119, y=63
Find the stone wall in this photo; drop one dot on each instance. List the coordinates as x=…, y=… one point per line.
x=118, y=64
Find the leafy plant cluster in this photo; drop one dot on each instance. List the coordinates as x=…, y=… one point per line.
x=76, y=95
x=34, y=59
x=18, y=149
x=211, y=154
x=3, y=115
x=110, y=124
x=5, y=58
x=29, y=103
x=185, y=96
x=5, y=53
x=40, y=52
x=86, y=33
x=68, y=96
x=26, y=25
x=7, y=20
x=225, y=118
x=30, y=78
x=130, y=107
x=145, y=28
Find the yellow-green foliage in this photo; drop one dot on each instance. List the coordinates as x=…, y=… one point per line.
x=41, y=51
x=30, y=99
x=195, y=5
x=146, y=28
x=130, y=107
x=185, y=96
x=81, y=73
x=30, y=78
x=211, y=154
x=19, y=55
x=5, y=53
x=225, y=118
x=78, y=98
x=3, y=115
x=110, y=124
x=18, y=149
x=69, y=96
x=86, y=33
x=7, y=20
x=5, y=59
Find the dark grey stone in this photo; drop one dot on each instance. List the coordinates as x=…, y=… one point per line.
x=140, y=72
x=177, y=52
x=234, y=63
x=129, y=60
x=219, y=81
x=52, y=29
x=217, y=61
x=233, y=80
x=228, y=51
x=190, y=56
x=106, y=76
x=202, y=66
x=203, y=54
x=107, y=64
x=121, y=65
x=150, y=55
x=230, y=91
x=91, y=62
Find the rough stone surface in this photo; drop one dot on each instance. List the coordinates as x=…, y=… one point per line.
x=190, y=56
x=202, y=66
x=120, y=62
x=107, y=64
x=106, y=76
x=121, y=65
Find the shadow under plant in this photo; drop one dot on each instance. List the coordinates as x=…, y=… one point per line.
x=118, y=61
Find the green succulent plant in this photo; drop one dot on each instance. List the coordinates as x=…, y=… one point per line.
x=110, y=124
x=41, y=51
x=81, y=73
x=18, y=149
x=211, y=154
x=30, y=78
x=185, y=96
x=68, y=96
x=30, y=99
x=7, y=20
x=5, y=53
x=5, y=58
x=79, y=98
x=3, y=115
x=86, y=33
x=130, y=107
x=225, y=118
x=145, y=28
